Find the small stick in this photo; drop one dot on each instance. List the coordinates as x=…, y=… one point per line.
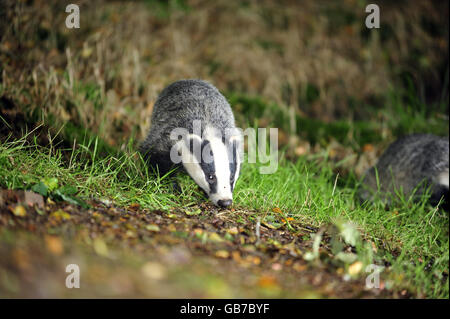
x=258, y=227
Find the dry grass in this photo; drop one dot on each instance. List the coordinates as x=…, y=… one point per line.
x=315, y=58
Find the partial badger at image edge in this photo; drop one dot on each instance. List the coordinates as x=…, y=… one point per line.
x=182, y=104
x=410, y=165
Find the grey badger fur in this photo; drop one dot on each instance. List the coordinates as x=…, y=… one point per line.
x=412, y=163
x=188, y=104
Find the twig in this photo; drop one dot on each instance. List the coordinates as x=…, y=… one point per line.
x=258, y=227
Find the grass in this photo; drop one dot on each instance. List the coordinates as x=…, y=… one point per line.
x=322, y=81
x=412, y=237
x=403, y=114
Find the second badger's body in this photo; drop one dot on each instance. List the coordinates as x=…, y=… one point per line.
x=410, y=165
x=209, y=149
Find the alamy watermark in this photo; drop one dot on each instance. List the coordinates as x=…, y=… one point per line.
x=73, y=279
x=373, y=279
x=373, y=19
x=73, y=19
x=257, y=148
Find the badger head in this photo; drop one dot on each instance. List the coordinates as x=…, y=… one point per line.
x=213, y=162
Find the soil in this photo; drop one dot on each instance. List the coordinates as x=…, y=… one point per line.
x=195, y=252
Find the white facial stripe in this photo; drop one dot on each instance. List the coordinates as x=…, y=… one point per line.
x=222, y=168
x=193, y=168
x=221, y=165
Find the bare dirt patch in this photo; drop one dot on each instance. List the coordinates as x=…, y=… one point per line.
x=133, y=252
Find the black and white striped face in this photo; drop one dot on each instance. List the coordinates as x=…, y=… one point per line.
x=214, y=164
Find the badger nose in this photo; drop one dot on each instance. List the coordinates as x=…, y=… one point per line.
x=224, y=203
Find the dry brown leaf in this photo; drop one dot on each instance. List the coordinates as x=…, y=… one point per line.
x=222, y=254
x=54, y=244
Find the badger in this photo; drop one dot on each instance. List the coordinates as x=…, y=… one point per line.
x=193, y=128
x=411, y=165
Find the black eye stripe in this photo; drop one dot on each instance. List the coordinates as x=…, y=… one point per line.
x=209, y=169
x=204, y=144
x=194, y=147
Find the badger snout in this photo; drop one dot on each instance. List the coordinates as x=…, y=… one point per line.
x=224, y=203
x=223, y=198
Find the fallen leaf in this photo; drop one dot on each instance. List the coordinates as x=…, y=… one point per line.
x=193, y=213
x=367, y=148
x=254, y=260
x=267, y=281
x=152, y=227
x=222, y=254
x=154, y=270
x=355, y=268
x=214, y=237
x=198, y=231
x=134, y=207
x=19, y=211
x=349, y=233
x=233, y=230
x=100, y=247
x=228, y=237
x=299, y=267
x=54, y=244
x=130, y=233
x=86, y=52
x=277, y=210
x=60, y=214
x=288, y=262
x=347, y=258
x=236, y=256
